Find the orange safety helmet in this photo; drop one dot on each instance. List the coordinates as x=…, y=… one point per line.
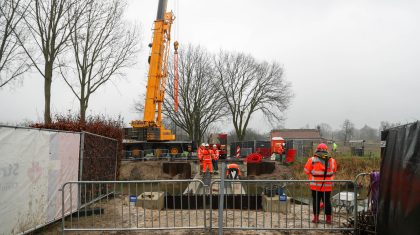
x=322, y=147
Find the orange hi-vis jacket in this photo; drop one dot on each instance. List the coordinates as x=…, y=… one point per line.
x=216, y=154
x=233, y=166
x=315, y=169
x=278, y=149
x=200, y=153
x=207, y=154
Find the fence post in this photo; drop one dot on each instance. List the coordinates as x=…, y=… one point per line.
x=82, y=153
x=355, y=206
x=221, y=197
x=116, y=161
x=62, y=208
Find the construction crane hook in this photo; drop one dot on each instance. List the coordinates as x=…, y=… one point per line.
x=176, y=44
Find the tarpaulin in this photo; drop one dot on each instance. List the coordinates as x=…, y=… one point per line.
x=399, y=189
x=34, y=164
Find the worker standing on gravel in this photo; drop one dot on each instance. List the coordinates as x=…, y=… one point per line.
x=200, y=151
x=215, y=159
x=200, y=156
x=207, y=159
x=232, y=171
x=334, y=147
x=321, y=167
x=278, y=150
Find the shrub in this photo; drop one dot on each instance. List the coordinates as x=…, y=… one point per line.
x=99, y=125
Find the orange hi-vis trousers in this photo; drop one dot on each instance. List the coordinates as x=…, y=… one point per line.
x=208, y=164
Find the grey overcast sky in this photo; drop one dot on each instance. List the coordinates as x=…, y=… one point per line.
x=355, y=59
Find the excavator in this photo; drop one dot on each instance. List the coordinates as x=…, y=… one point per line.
x=150, y=133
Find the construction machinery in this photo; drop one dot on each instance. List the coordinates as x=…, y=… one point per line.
x=150, y=133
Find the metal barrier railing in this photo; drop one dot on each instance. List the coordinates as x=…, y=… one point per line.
x=132, y=205
x=368, y=186
x=152, y=154
x=262, y=207
x=190, y=204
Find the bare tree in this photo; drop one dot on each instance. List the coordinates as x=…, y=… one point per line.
x=13, y=60
x=103, y=46
x=347, y=130
x=369, y=133
x=386, y=125
x=325, y=130
x=50, y=24
x=251, y=134
x=249, y=86
x=199, y=103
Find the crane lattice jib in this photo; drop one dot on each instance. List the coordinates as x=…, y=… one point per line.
x=158, y=70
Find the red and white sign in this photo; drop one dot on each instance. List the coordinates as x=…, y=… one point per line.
x=238, y=152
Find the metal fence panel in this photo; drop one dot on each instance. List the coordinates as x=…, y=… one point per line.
x=98, y=157
x=367, y=207
x=224, y=204
x=256, y=205
x=135, y=205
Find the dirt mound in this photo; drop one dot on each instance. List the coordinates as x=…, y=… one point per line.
x=281, y=172
x=151, y=170
x=154, y=170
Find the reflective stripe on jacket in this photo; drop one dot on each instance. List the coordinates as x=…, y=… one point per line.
x=315, y=169
x=200, y=153
x=207, y=154
x=216, y=154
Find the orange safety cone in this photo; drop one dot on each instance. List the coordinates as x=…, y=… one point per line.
x=321, y=205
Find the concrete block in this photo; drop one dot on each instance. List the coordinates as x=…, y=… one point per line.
x=275, y=205
x=151, y=200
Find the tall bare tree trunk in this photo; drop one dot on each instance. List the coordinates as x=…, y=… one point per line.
x=104, y=45
x=249, y=86
x=83, y=108
x=82, y=102
x=47, y=91
x=49, y=24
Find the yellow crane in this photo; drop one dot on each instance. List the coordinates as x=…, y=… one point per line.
x=149, y=135
x=151, y=127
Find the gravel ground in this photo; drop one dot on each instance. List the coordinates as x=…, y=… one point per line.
x=118, y=214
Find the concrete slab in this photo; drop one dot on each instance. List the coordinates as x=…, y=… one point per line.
x=151, y=200
x=275, y=205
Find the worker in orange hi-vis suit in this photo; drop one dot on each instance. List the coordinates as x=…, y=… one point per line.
x=206, y=158
x=278, y=150
x=200, y=152
x=215, y=159
x=321, y=167
x=233, y=168
x=200, y=155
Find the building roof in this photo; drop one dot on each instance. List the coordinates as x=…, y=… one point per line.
x=297, y=133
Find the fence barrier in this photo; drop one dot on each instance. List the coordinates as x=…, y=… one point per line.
x=368, y=188
x=280, y=205
x=156, y=154
x=191, y=204
x=133, y=205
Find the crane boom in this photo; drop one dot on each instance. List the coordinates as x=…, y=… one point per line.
x=151, y=126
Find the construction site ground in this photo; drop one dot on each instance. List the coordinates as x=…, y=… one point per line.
x=118, y=213
x=125, y=216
